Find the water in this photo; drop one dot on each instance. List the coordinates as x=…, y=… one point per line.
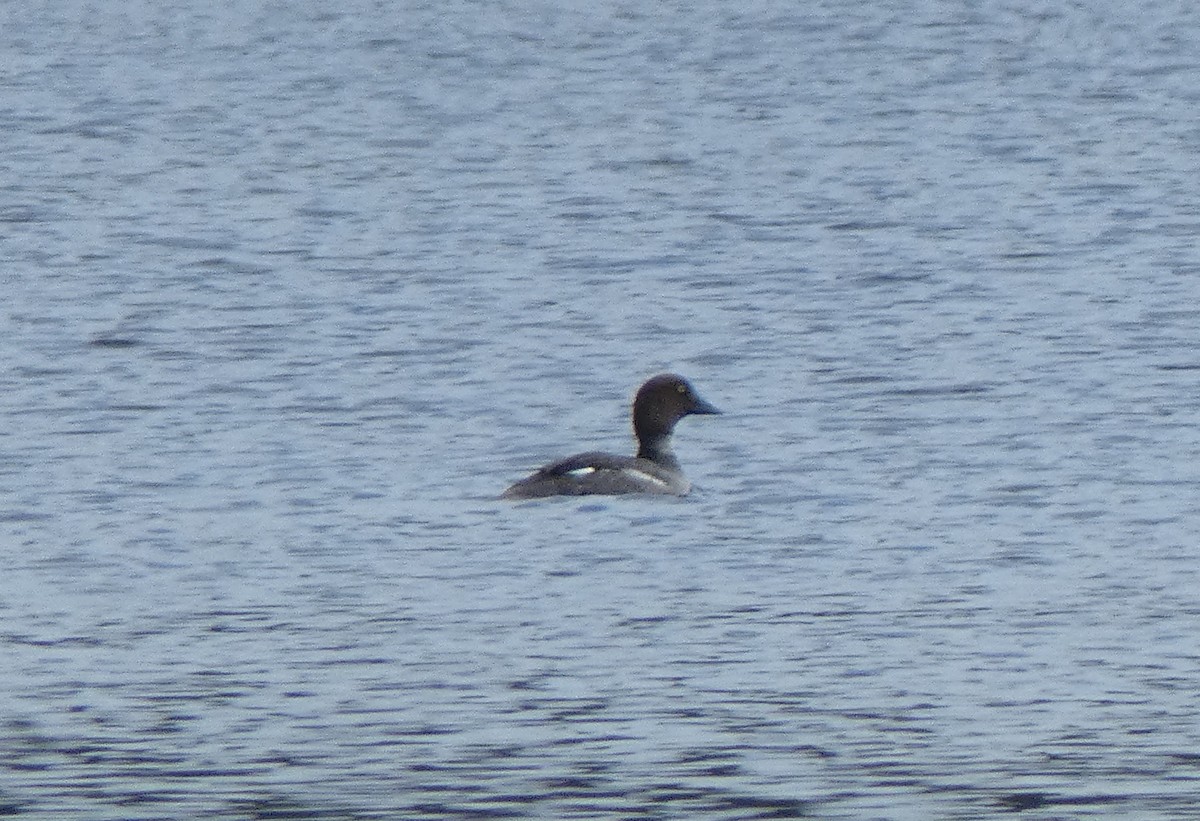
x=293, y=293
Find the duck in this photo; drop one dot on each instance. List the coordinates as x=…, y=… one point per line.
x=657, y=407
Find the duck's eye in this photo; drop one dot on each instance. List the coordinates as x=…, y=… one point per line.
x=682, y=388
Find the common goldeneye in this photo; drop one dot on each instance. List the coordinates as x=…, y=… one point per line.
x=659, y=404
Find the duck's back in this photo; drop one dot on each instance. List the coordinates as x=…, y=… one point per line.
x=598, y=473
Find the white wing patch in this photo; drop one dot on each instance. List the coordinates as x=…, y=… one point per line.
x=627, y=479
x=642, y=476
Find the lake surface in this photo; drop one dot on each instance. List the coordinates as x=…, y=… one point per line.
x=293, y=292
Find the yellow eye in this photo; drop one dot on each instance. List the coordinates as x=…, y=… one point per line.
x=682, y=388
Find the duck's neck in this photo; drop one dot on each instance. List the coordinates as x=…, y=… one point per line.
x=657, y=448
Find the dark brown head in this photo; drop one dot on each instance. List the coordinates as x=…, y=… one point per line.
x=659, y=404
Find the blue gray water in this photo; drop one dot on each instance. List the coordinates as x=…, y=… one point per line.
x=294, y=290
